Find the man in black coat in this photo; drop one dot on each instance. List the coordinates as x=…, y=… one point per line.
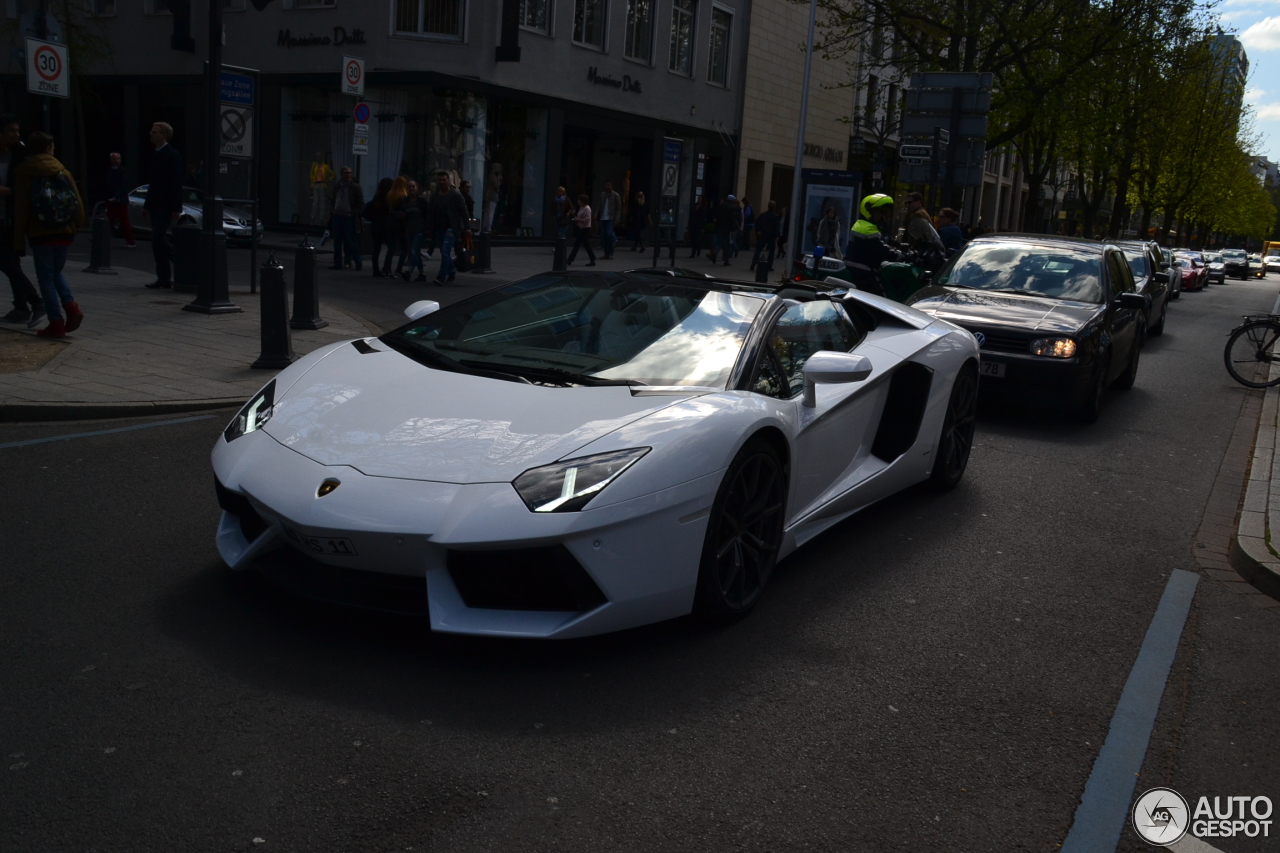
x=164, y=200
x=767, y=229
x=446, y=218
x=28, y=307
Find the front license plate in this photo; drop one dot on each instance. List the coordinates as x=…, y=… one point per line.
x=992, y=368
x=331, y=545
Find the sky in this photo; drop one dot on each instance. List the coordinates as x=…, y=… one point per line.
x=1257, y=23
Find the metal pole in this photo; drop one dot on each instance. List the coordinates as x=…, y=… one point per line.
x=797, y=216
x=42, y=33
x=213, y=118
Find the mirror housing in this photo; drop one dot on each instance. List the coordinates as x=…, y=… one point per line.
x=421, y=308
x=1162, y=276
x=832, y=368
x=1134, y=301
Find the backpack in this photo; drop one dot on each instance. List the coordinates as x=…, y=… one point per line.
x=54, y=202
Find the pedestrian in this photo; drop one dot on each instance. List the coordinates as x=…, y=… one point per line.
x=562, y=210
x=346, y=202
x=766, y=235
x=446, y=217
x=28, y=307
x=48, y=213
x=393, y=228
x=582, y=221
x=118, y=200
x=610, y=212
x=376, y=212
x=748, y=223
x=464, y=187
x=414, y=207
x=921, y=234
x=320, y=177
x=697, y=225
x=830, y=230
x=728, y=221
x=639, y=221
x=949, y=233
x=784, y=227
x=164, y=200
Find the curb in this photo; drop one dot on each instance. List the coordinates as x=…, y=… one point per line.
x=1251, y=553
x=33, y=412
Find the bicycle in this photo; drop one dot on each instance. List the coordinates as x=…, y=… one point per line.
x=1251, y=350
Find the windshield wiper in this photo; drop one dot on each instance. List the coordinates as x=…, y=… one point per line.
x=552, y=373
x=431, y=358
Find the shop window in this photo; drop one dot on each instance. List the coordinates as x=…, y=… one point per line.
x=536, y=15
x=429, y=17
x=682, y=16
x=718, y=53
x=588, y=22
x=640, y=30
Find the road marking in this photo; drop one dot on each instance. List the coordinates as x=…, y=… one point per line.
x=1191, y=844
x=1104, y=806
x=31, y=441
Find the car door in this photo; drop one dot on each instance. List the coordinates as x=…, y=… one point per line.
x=831, y=439
x=1122, y=323
x=137, y=198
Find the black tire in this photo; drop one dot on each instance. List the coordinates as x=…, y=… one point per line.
x=1176, y=291
x=1158, y=329
x=955, y=442
x=1250, y=351
x=1125, y=380
x=1091, y=409
x=744, y=533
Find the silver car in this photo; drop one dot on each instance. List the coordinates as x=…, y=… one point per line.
x=235, y=222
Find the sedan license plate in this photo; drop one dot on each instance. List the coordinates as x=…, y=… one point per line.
x=332, y=546
x=992, y=368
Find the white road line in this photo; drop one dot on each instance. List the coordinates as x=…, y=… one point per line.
x=31, y=441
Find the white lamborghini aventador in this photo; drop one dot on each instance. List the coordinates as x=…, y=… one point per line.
x=583, y=452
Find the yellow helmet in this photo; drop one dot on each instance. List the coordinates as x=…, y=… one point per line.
x=871, y=202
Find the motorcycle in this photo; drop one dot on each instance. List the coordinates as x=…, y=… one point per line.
x=899, y=279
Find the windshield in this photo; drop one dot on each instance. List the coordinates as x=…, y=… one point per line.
x=1137, y=263
x=591, y=331
x=1234, y=255
x=1213, y=259
x=1056, y=271
x=1185, y=264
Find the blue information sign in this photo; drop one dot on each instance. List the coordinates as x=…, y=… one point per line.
x=237, y=89
x=671, y=150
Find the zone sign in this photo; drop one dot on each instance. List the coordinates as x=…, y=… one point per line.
x=47, y=71
x=352, y=76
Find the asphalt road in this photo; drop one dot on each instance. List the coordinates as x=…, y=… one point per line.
x=937, y=673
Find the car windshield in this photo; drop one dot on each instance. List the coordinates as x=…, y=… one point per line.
x=588, y=330
x=1186, y=264
x=1213, y=259
x=1056, y=271
x=1137, y=262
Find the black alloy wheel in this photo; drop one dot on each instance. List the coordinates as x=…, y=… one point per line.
x=744, y=533
x=1125, y=380
x=1091, y=409
x=956, y=441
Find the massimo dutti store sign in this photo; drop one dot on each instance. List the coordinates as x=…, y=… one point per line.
x=626, y=84
x=287, y=39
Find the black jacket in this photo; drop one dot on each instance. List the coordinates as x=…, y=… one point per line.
x=16, y=158
x=117, y=184
x=767, y=225
x=447, y=210
x=165, y=191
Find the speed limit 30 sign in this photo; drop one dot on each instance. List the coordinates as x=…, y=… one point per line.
x=47, y=71
x=352, y=76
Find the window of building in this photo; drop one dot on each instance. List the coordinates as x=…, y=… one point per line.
x=718, y=55
x=427, y=17
x=682, y=16
x=640, y=30
x=535, y=15
x=588, y=22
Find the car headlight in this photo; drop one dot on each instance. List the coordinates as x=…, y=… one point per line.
x=1054, y=347
x=570, y=485
x=254, y=415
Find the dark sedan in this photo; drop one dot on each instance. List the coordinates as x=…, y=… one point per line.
x=1058, y=320
x=1235, y=262
x=1152, y=279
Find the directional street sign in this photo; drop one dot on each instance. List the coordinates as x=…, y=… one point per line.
x=971, y=126
x=914, y=161
x=237, y=131
x=967, y=151
x=951, y=80
x=47, y=70
x=915, y=151
x=352, y=76
x=939, y=101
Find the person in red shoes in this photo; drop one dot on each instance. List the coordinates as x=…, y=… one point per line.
x=47, y=212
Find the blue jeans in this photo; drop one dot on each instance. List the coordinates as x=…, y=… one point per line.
x=444, y=239
x=414, y=252
x=344, y=234
x=49, y=261
x=608, y=237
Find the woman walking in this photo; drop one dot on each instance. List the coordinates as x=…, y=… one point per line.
x=639, y=222
x=47, y=212
x=395, y=233
x=583, y=222
x=376, y=212
x=414, y=209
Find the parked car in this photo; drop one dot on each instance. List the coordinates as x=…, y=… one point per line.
x=1170, y=266
x=1059, y=320
x=1216, y=268
x=1270, y=263
x=236, y=223
x=1256, y=262
x=1236, y=263
x=1145, y=263
x=1194, y=274
x=577, y=453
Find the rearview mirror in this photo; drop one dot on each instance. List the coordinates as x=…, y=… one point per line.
x=421, y=308
x=1135, y=301
x=1162, y=276
x=832, y=368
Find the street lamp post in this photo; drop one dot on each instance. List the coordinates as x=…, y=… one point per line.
x=797, y=217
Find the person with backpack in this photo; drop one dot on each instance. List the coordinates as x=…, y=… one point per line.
x=47, y=213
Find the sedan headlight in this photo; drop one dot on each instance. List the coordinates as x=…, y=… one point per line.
x=254, y=415
x=570, y=485
x=1054, y=347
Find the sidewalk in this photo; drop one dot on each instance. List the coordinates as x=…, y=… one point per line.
x=138, y=353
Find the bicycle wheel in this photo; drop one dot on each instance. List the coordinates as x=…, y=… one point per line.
x=1250, y=351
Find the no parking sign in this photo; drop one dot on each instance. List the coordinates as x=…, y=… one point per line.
x=47, y=71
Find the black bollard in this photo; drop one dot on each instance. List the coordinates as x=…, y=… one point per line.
x=277, y=343
x=100, y=248
x=558, y=259
x=762, y=272
x=306, y=295
x=484, y=254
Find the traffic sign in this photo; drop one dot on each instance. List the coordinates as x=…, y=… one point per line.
x=951, y=80
x=237, y=89
x=361, y=113
x=940, y=101
x=908, y=151
x=360, y=139
x=362, y=130
x=970, y=126
x=47, y=70
x=352, y=76
x=237, y=131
